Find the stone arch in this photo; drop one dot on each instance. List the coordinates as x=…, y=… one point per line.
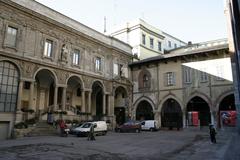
x=48, y=69
x=20, y=71
x=120, y=107
x=226, y=110
x=121, y=86
x=100, y=84
x=144, y=111
x=75, y=97
x=168, y=97
x=201, y=95
x=143, y=98
x=221, y=97
x=198, y=106
x=78, y=77
x=44, y=90
x=171, y=114
x=144, y=79
x=97, y=98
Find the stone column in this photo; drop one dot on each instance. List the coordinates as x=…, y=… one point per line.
x=19, y=101
x=109, y=100
x=31, y=95
x=64, y=98
x=184, y=120
x=55, y=97
x=104, y=103
x=83, y=109
x=89, y=102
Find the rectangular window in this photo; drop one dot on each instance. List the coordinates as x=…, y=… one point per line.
x=76, y=57
x=98, y=64
x=187, y=75
x=48, y=48
x=143, y=39
x=11, y=36
x=175, y=45
x=220, y=73
x=170, y=78
x=203, y=75
x=169, y=44
x=159, y=46
x=151, y=43
x=26, y=85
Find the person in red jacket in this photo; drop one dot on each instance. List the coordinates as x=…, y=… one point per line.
x=62, y=126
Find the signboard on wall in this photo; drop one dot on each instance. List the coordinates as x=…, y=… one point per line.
x=193, y=118
x=228, y=118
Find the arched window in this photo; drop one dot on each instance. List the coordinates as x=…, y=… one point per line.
x=9, y=81
x=144, y=79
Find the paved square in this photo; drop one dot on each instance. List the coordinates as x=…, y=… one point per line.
x=161, y=145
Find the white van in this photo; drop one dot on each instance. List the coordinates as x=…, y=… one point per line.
x=100, y=128
x=150, y=125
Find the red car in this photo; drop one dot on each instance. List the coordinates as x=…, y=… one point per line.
x=130, y=126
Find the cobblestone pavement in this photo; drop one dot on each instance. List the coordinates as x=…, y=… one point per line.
x=161, y=145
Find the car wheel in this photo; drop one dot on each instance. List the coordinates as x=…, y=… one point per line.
x=151, y=129
x=137, y=130
x=104, y=133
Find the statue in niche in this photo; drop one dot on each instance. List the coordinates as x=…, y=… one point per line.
x=64, y=53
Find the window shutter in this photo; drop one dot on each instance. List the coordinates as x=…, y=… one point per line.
x=165, y=79
x=174, y=78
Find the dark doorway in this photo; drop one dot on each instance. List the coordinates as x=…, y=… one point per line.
x=51, y=94
x=171, y=115
x=199, y=105
x=97, y=100
x=144, y=111
x=120, y=105
x=99, y=104
x=227, y=111
x=119, y=112
x=228, y=103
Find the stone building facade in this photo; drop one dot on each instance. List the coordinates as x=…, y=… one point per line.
x=51, y=63
x=146, y=40
x=195, y=78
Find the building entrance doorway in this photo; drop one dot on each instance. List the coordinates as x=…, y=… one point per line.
x=197, y=104
x=144, y=111
x=171, y=114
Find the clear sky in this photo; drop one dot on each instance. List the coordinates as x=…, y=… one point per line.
x=188, y=20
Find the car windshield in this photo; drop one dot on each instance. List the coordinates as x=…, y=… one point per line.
x=86, y=125
x=130, y=123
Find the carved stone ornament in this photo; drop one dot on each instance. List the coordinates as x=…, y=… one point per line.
x=27, y=69
x=62, y=76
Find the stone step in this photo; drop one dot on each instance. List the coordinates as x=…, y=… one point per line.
x=43, y=129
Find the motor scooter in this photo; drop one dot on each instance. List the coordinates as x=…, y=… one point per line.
x=65, y=132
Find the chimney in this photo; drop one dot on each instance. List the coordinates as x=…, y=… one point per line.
x=189, y=43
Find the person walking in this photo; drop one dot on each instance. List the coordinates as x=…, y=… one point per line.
x=91, y=133
x=62, y=126
x=212, y=133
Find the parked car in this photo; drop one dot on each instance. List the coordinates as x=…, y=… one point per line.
x=72, y=128
x=150, y=125
x=131, y=126
x=100, y=128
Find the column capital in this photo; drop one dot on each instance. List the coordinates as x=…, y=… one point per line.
x=61, y=85
x=27, y=80
x=88, y=90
